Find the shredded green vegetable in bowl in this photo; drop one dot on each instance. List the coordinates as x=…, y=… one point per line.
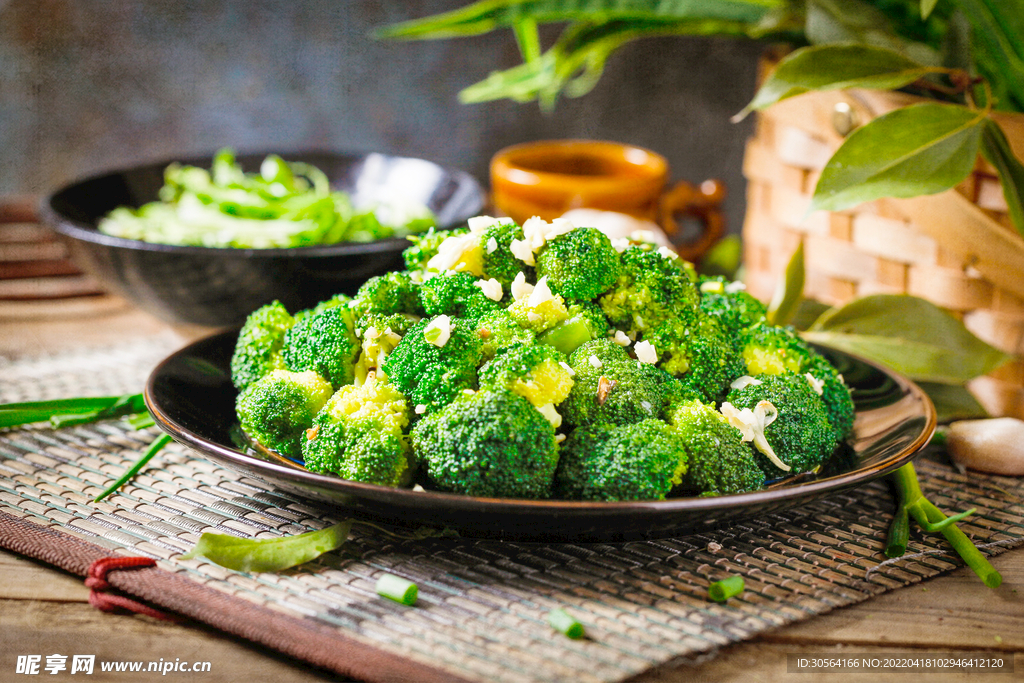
x=286, y=204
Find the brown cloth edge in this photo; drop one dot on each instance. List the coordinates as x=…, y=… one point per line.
x=303, y=640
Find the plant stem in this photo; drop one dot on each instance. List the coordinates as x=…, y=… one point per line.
x=153, y=449
x=912, y=503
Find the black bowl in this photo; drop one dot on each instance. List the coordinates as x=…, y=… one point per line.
x=219, y=287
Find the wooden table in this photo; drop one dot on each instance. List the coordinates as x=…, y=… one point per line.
x=44, y=611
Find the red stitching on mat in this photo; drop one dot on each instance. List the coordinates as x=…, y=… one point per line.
x=107, y=602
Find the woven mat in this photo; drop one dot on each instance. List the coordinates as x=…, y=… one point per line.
x=483, y=604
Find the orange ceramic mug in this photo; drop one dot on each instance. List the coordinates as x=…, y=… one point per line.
x=548, y=178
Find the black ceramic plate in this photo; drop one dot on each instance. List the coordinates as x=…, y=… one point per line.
x=192, y=398
x=219, y=287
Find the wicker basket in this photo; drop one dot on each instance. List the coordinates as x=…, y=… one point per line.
x=957, y=249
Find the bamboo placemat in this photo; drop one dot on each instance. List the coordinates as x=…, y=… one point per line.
x=483, y=604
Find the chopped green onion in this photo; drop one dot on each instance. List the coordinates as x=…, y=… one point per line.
x=729, y=587
x=141, y=420
x=398, y=589
x=563, y=622
x=68, y=411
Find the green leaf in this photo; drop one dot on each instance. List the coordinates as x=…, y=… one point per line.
x=999, y=42
x=908, y=334
x=996, y=149
x=833, y=22
x=953, y=402
x=926, y=7
x=268, y=554
x=789, y=291
x=487, y=15
x=835, y=67
x=921, y=149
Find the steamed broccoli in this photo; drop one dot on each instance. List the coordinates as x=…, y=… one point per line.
x=639, y=461
x=498, y=260
x=654, y=287
x=258, y=349
x=731, y=304
x=456, y=294
x=358, y=435
x=490, y=443
x=498, y=331
x=580, y=265
x=610, y=387
x=424, y=247
x=539, y=309
x=536, y=372
x=336, y=300
x=435, y=361
x=393, y=292
x=769, y=350
x=277, y=410
x=699, y=351
x=719, y=462
x=380, y=335
x=326, y=343
x=585, y=322
x=800, y=435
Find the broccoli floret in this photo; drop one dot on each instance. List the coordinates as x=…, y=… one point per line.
x=654, y=288
x=498, y=331
x=424, y=247
x=336, y=300
x=699, y=351
x=719, y=462
x=380, y=335
x=801, y=435
x=432, y=373
x=769, y=350
x=456, y=294
x=258, y=349
x=731, y=304
x=498, y=260
x=610, y=387
x=536, y=372
x=325, y=343
x=490, y=443
x=640, y=461
x=277, y=410
x=585, y=322
x=358, y=435
x=540, y=309
x=580, y=265
x=393, y=292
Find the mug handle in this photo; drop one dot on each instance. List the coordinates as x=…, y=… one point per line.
x=703, y=203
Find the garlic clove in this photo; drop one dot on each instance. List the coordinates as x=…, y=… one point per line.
x=994, y=445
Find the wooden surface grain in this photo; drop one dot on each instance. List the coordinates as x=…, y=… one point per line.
x=45, y=611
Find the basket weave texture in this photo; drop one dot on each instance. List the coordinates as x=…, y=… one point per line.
x=958, y=249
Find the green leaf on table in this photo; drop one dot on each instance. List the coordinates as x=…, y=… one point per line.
x=953, y=402
x=268, y=554
x=921, y=149
x=996, y=149
x=789, y=291
x=835, y=67
x=909, y=334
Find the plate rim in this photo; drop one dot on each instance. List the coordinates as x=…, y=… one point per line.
x=304, y=478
